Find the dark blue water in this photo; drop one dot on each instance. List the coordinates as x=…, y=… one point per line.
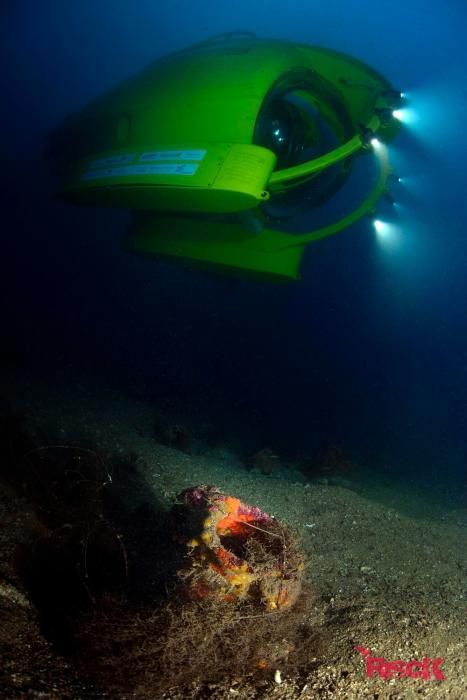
x=368, y=351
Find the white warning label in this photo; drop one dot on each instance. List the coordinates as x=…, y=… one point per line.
x=197, y=154
x=112, y=160
x=137, y=170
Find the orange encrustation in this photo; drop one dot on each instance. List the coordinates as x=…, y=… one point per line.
x=238, y=552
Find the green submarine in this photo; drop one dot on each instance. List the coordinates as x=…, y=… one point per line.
x=210, y=146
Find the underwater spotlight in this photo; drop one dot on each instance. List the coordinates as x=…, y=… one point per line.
x=209, y=143
x=388, y=234
x=395, y=95
x=380, y=226
x=395, y=178
x=405, y=115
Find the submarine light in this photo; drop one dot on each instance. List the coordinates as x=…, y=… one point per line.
x=405, y=115
x=388, y=234
x=380, y=227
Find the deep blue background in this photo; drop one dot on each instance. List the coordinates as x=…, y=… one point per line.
x=368, y=351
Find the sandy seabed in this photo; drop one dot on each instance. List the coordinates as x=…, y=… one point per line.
x=387, y=568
